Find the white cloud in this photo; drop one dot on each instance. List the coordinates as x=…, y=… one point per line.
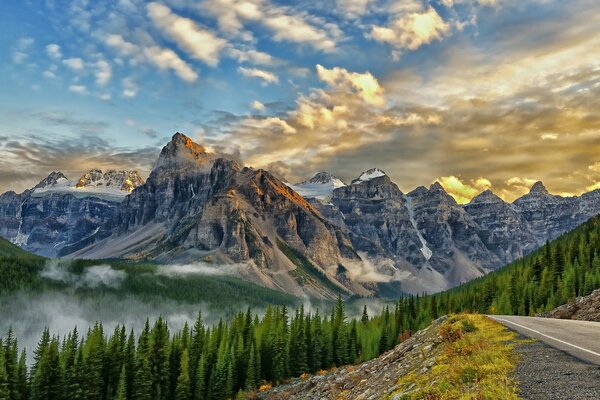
x=251, y=56
x=199, y=43
x=49, y=74
x=412, y=30
x=257, y=105
x=124, y=47
x=351, y=9
x=162, y=58
x=293, y=28
x=365, y=84
x=79, y=89
x=53, y=50
x=76, y=64
x=266, y=76
x=286, y=23
x=167, y=59
x=20, y=54
x=130, y=89
x=103, y=72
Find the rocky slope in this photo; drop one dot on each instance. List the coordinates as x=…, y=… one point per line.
x=429, y=242
x=58, y=212
x=198, y=205
x=373, y=379
x=584, y=308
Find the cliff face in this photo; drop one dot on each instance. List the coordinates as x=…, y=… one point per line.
x=57, y=213
x=196, y=204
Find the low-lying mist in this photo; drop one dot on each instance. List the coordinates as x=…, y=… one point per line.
x=102, y=293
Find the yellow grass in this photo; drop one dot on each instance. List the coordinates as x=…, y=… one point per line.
x=476, y=361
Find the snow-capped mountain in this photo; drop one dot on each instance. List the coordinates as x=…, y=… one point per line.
x=319, y=237
x=320, y=186
x=368, y=175
x=198, y=205
x=58, y=212
x=111, y=186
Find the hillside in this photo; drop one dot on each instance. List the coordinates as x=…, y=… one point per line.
x=7, y=249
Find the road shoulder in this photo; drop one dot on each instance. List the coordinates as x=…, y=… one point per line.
x=544, y=373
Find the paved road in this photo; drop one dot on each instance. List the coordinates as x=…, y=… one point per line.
x=578, y=338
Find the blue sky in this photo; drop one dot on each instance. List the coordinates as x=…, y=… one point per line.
x=474, y=93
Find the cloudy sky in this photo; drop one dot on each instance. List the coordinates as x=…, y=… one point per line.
x=474, y=93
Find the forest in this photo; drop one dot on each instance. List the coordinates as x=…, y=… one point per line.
x=236, y=357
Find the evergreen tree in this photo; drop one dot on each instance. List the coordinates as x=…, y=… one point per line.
x=183, y=389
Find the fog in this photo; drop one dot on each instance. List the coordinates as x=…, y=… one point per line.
x=92, y=277
x=84, y=302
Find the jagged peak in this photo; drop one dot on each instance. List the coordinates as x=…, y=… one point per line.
x=487, y=196
x=437, y=186
x=120, y=179
x=323, y=178
x=182, y=149
x=52, y=179
x=538, y=187
x=369, y=175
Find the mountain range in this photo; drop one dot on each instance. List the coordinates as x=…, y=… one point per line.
x=320, y=237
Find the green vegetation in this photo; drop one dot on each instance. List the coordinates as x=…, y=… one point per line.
x=306, y=271
x=475, y=361
x=7, y=249
x=249, y=351
x=201, y=362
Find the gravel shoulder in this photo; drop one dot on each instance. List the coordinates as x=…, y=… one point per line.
x=545, y=373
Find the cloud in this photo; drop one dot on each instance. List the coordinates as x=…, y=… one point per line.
x=200, y=268
x=266, y=76
x=151, y=133
x=364, y=84
x=79, y=89
x=251, y=56
x=92, y=277
x=199, y=43
x=352, y=9
x=53, y=51
x=76, y=63
x=463, y=192
x=21, y=48
x=103, y=72
x=166, y=59
x=549, y=136
x=130, y=88
x=286, y=24
x=26, y=161
x=412, y=30
x=257, y=105
x=76, y=125
x=162, y=58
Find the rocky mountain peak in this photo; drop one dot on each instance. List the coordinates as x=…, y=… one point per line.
x=183, y=150
x=368, y=175
x=487, y=196
x=323, y=178
x=437, y=187
x=51, y=180
x=538, y=188
x=124, y=181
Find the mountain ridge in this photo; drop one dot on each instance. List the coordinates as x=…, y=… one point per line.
x=360, y=238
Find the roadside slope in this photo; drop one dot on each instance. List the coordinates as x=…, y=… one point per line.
x=459, y=355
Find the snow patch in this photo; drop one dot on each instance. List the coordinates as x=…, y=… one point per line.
x=427, y=253
x=368, y=175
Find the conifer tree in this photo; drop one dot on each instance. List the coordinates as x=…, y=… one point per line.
x=183, y=389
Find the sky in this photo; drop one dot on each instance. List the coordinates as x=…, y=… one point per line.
x=476, y=94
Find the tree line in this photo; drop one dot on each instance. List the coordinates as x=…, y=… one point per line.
x=240, y=355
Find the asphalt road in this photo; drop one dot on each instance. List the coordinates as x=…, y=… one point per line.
x=578, y=338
